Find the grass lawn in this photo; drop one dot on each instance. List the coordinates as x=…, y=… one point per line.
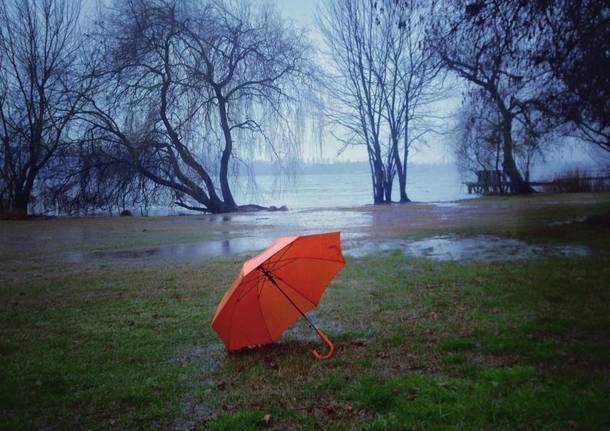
x=421, y=345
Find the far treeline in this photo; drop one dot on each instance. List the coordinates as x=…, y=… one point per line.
x=161, y=102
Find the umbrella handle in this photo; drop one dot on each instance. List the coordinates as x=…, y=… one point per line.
x=329, y=344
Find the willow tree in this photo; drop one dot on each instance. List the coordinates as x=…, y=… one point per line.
x=572, y=43
x=39, y=44
x=185, y=86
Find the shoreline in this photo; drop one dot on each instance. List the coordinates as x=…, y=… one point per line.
x=536, y=220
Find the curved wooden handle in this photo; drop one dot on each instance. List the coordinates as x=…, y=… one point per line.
x=329, y=344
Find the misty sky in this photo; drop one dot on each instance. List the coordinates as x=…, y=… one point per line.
x=436, y=149
x=302, y=12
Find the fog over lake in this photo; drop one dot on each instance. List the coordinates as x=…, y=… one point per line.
x=425, y=183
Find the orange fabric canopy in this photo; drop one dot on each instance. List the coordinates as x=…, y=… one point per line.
x=274, y=287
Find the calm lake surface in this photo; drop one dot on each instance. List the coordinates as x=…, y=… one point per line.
x=425, y=183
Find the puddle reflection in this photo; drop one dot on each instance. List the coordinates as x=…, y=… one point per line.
x=448, y=248
x=196, y=251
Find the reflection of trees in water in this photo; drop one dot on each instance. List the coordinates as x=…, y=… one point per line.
x=226, y=247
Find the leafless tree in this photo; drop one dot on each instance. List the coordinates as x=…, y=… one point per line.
x=184, y=86
x=354, y=89
x=89, y=178
x=485, y=42
x=412, y=81
x=572, y=41
x=381, y=82
x=478, y=137
x=39, y=91
x=478, y=143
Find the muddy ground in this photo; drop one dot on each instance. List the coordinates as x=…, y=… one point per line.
x=480, y=229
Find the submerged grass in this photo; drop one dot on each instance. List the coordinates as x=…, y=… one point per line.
x=420, y=346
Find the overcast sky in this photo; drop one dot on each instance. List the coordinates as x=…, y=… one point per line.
x=303, y=12
x=437, y=148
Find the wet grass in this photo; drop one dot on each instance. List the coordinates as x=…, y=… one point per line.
x=98, y=349
x=546, y=218
x=421, y=345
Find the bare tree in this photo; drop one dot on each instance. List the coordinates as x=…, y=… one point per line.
x=382, y=81
x=572, y=42
x=182, y=82
x=478, y=139
x=485, y=42
x=478, y=144
x=412, y=81
x=354, y=87
x=39, y=43
x=89, y=177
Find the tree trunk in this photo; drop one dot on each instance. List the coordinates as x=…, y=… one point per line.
x=227, y=196
x=402, y=173
x=20, y=204
x=519, y=185
x=402, y=184
x=376, y=177
x=378, y=197
x=387, y=188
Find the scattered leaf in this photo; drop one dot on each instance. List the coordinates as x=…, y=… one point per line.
x=266, y=420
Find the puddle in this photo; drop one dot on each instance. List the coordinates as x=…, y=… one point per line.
x=441, y=248
x=452, y=204
x=451, y=248
x=566, y=222
x=189, y=252
x=195, y=251
x=308, y=221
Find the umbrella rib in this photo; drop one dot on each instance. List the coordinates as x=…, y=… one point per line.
x=284, y=251
x=272, y=280
x=243, y=294
x=258, y=279
x=237, y=301
x=260, y=309
x=231, y=320
x=284, y=262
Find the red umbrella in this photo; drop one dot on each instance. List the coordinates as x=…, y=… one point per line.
x=276, y=287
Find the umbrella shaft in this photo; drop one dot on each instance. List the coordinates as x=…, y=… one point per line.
x=272, y=280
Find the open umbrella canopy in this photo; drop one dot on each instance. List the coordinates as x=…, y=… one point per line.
x=276, y=287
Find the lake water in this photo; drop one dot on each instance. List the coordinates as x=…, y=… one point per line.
x=425, y=183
